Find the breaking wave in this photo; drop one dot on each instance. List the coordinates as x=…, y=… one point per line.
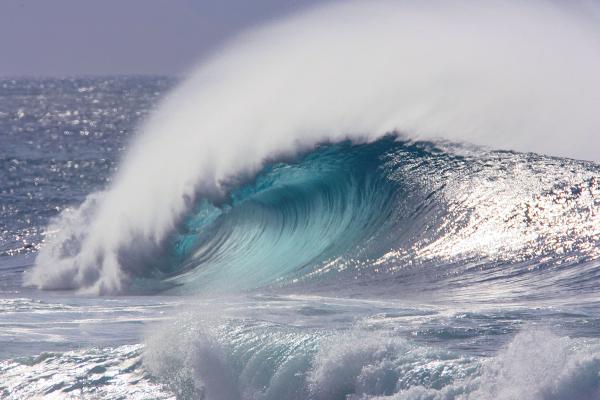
x=271, y=162
x=225, y=361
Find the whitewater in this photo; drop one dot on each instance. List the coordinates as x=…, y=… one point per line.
x=364, y=200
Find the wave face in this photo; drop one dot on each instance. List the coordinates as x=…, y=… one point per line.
x=366, y=217
x=504, y=74
x=292, y=217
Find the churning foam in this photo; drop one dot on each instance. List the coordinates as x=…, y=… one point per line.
x=506, y=74
x=197, y=357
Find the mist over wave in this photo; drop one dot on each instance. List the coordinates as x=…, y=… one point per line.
x=505, y=74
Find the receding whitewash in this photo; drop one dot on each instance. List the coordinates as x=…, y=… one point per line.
x=505, y=74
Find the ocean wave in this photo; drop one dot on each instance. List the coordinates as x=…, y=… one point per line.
x=224, y=360
x=210, y=353
x=350, y=71
x=391, y=213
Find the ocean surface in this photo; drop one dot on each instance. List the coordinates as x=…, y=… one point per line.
x=378, y=269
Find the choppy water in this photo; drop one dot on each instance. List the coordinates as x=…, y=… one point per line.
x=392, y=269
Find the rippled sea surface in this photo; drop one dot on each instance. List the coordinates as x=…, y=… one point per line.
x=389, y=270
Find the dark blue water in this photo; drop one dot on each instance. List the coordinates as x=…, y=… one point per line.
x=60, y=139
x=395, y=269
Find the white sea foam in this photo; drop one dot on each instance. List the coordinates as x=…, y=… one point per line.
x=536, y=365
x=220, y=361
x=508, y=74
